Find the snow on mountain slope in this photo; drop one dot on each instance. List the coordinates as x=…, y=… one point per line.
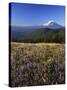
x=52, y=25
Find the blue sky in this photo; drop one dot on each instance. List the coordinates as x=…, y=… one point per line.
x=33, y=14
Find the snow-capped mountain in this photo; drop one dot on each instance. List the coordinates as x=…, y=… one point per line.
x=52, y=25
x=42, y=33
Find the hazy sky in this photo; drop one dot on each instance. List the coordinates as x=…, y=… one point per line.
x=32, y=14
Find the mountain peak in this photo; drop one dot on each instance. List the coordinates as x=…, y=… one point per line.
x=52, y=25
x=51, y=22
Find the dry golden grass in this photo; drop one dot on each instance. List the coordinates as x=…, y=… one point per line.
x=37, y=64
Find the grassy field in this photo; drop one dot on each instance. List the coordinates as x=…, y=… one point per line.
x=37, y=64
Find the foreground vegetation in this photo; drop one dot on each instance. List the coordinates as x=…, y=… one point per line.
x=37, y=64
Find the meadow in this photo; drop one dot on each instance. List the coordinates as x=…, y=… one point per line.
x=37, y=64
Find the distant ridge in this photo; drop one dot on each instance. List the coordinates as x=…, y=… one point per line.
x=48, y=32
